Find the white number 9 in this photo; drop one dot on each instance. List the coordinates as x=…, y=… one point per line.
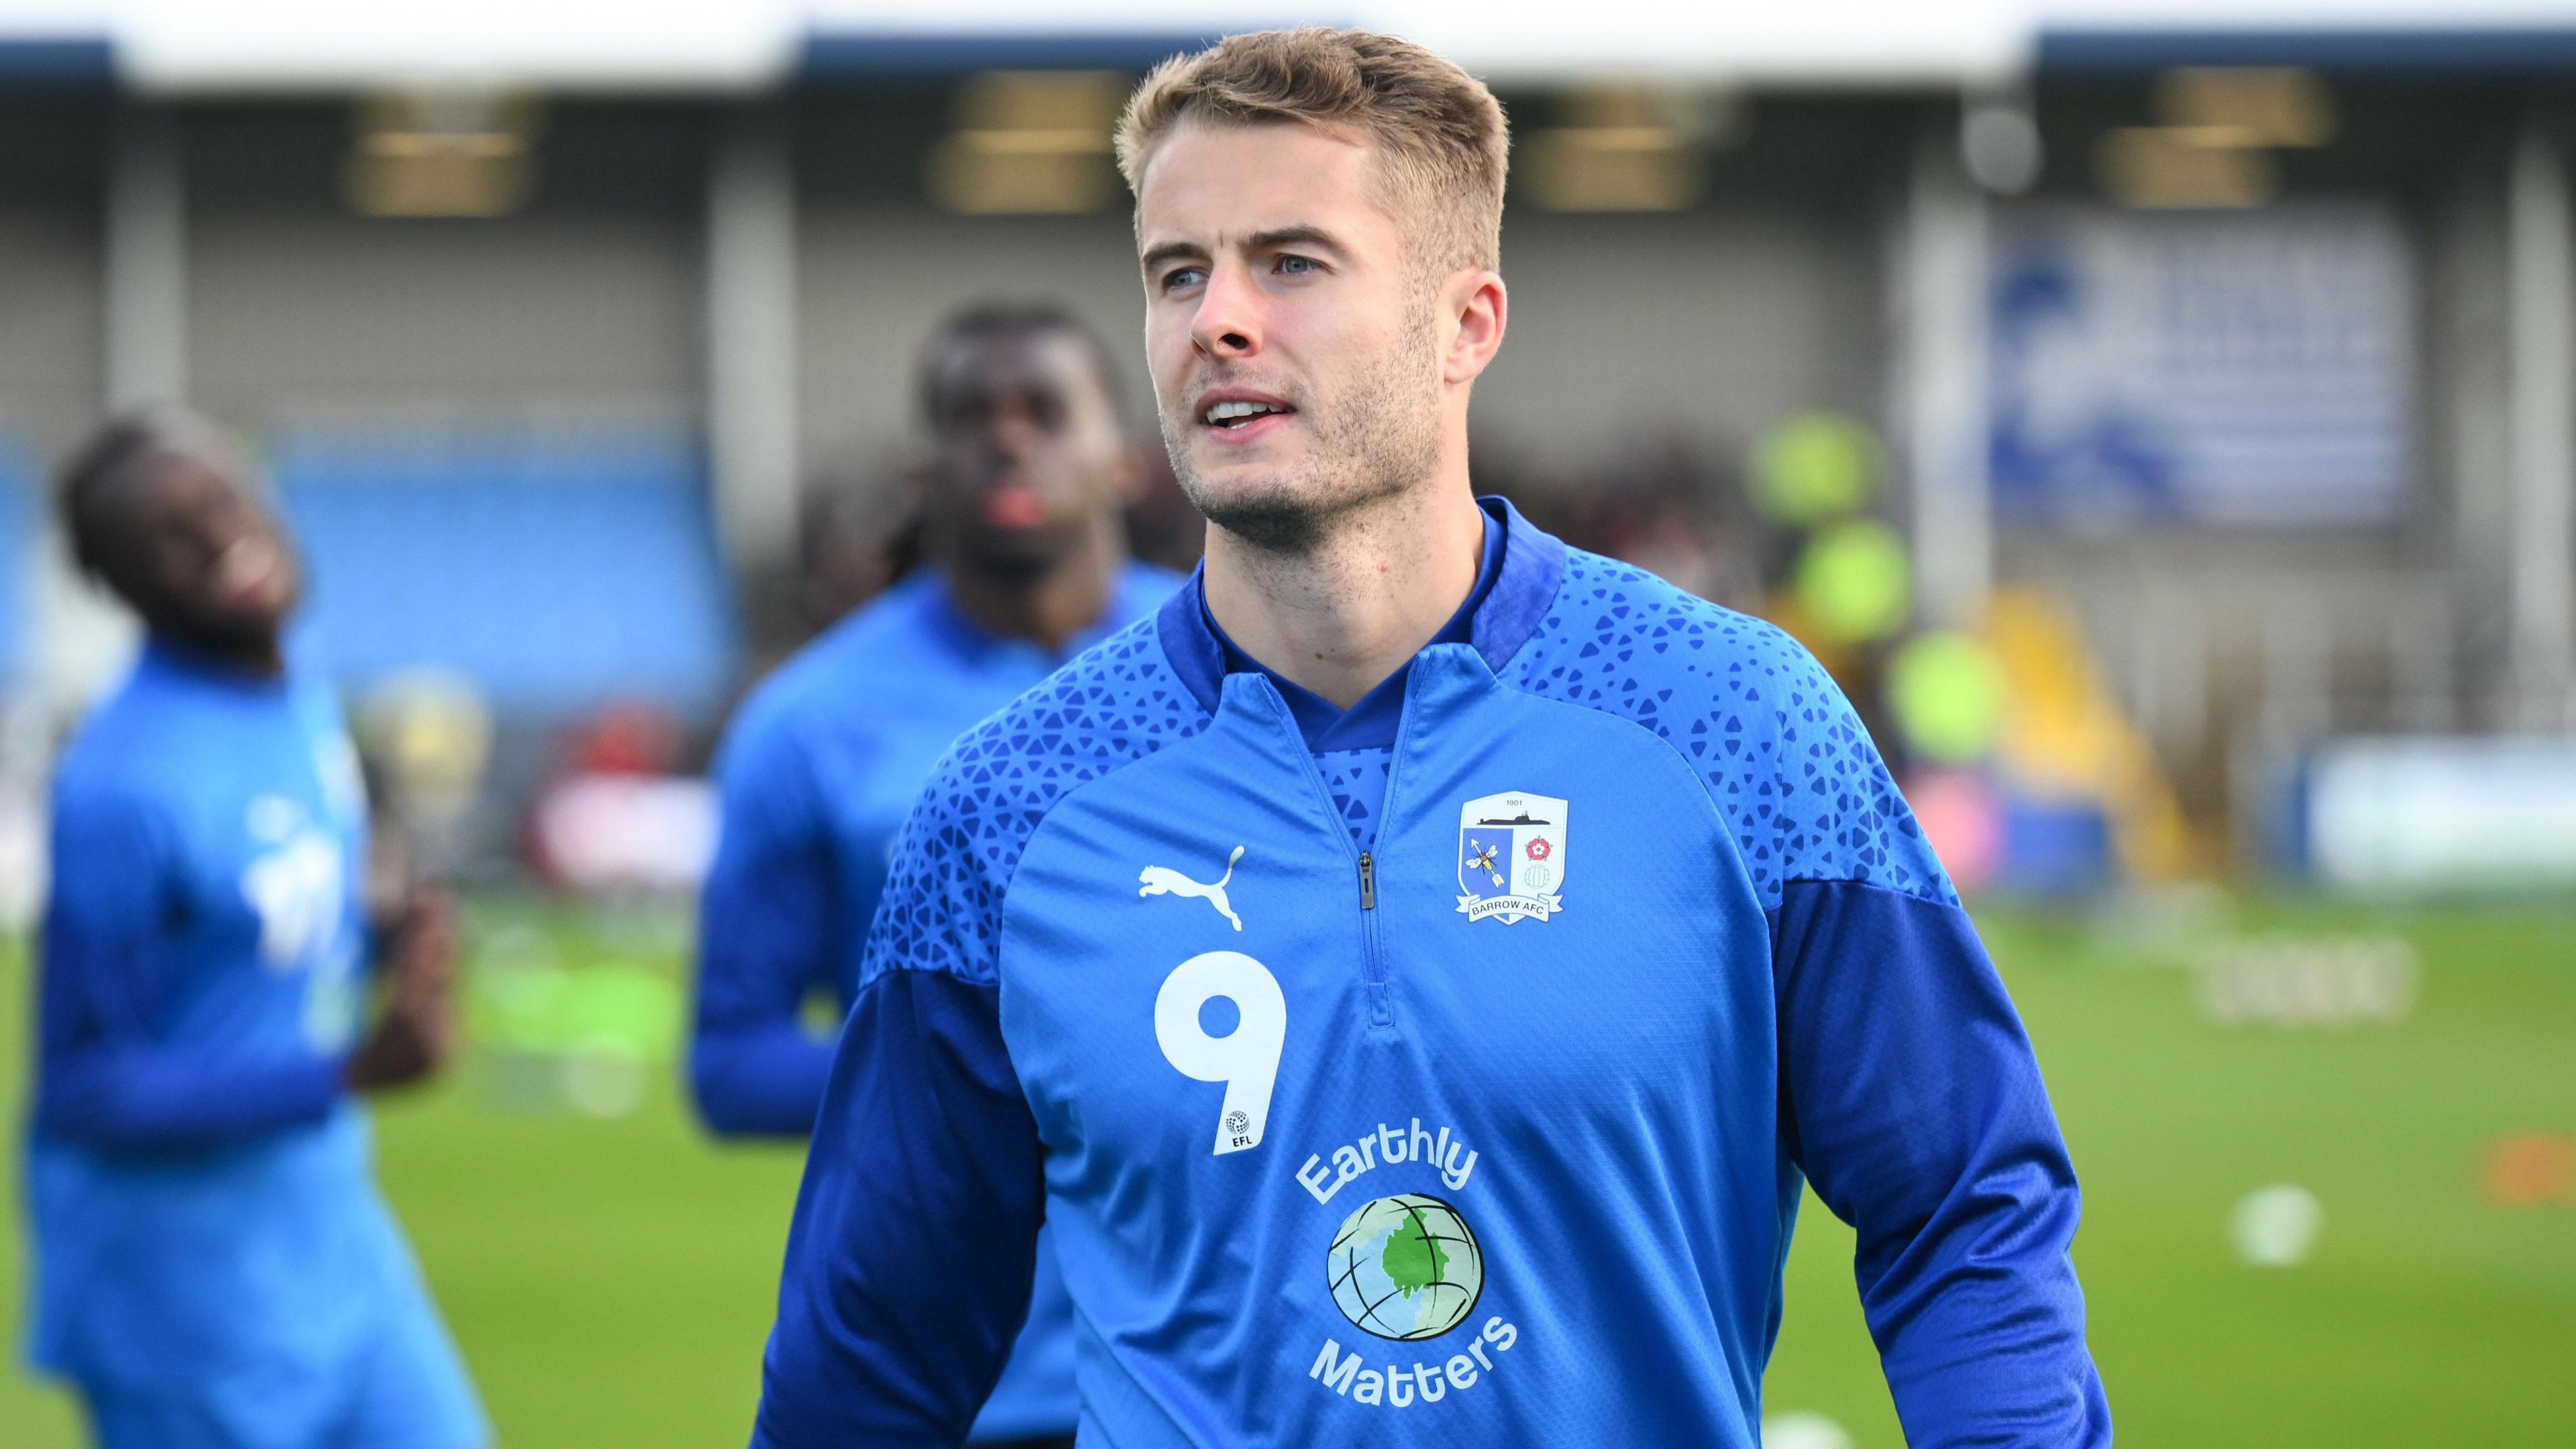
x=1247, y=1060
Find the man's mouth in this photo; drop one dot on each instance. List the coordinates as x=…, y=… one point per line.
x=1014, y=506
x=1236, y=414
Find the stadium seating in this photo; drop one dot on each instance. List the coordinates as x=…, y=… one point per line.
x=558, y=570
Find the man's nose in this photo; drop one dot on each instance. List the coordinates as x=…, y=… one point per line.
x=1013, y=434
x=1227, y=326
x=210, y=534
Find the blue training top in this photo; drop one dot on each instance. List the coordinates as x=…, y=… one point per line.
x=817, y=772
x=198, y=1182
x=1434, y=1139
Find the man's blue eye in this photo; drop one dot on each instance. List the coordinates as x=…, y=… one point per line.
x=1185, y=277
x=1296, y=264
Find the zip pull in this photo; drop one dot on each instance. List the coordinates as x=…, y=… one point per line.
x=1368, y=882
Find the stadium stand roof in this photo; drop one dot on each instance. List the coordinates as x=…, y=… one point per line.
x=745, y=45
x=56, y=60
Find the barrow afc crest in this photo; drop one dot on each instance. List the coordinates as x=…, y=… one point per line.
x=1511, y=857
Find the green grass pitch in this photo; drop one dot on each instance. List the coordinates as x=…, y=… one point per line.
x=611, y=1280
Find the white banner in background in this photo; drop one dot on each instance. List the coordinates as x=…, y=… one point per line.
x=2436, y=814
x=2251, y=367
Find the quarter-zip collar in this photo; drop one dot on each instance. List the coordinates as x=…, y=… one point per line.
x=1369, y=724
x=1521, y=571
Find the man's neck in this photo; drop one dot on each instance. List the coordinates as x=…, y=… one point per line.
x=1341, y=617
x=1051, y=607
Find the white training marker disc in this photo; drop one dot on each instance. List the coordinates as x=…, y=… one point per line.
x=1800, y=1429
x=2276, y=1226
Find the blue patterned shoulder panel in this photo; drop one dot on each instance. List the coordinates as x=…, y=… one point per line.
x=1795, y=776
x=1111, y=706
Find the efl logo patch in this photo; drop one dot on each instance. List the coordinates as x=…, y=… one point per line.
x=1511, y=857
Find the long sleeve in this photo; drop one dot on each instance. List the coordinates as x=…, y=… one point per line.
x=910, y=1258
x=104, y=1079
x=1914, y=1104
x=914, y=1245
x=766, y=937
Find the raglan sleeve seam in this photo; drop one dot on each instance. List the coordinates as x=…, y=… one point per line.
x=1791, y=668
x=1699, y=777
x=982, y=966
x=1829, y=878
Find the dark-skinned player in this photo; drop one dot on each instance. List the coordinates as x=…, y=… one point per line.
x=215, y=1268
x=1027, y=565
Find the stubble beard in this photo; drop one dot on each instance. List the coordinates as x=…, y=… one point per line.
x=1375, y=439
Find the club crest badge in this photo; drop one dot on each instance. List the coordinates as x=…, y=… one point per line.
x=1511, y=857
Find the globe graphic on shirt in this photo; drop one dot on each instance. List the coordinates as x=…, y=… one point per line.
x=1405, y=1267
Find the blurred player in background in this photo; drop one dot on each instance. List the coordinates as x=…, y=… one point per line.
x=1251, y=954
x=214, y=1268
x=1026, y=565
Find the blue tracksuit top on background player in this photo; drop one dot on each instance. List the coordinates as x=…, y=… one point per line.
x=817, y=773
x=208, y=1233
x=1464, y=1137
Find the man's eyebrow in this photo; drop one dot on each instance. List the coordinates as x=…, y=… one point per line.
x=1301, y=235
x=1155, y=257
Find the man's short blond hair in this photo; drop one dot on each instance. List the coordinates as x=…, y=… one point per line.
x=1440, y=135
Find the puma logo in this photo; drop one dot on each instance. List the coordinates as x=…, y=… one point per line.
x=1162, y=880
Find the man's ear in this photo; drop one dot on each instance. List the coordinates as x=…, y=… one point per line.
x=1477, y=302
